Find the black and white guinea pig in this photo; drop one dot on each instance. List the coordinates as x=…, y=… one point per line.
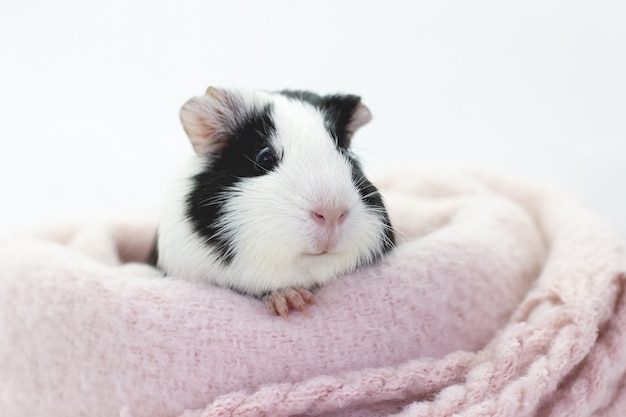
x=273, y=203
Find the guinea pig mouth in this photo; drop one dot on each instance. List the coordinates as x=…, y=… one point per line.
x=324, y=252
x=317, y=253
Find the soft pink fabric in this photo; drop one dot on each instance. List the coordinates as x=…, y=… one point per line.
x=503, y=298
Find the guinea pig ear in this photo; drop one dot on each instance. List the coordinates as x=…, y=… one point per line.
x=348, y=114
x=206, y=119
x=361, y=115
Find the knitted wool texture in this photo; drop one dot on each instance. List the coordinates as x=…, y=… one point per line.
x=503, y=298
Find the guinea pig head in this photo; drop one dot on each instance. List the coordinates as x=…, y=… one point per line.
x=278, y=199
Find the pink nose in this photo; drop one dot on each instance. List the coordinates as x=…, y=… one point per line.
x=329, y=217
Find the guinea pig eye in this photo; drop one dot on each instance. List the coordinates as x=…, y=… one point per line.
x=265, y=159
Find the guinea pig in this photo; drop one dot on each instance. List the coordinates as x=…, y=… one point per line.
x=273, y=203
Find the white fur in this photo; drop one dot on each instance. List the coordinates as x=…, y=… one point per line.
x=269, y=217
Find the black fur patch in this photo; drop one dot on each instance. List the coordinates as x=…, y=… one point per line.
x=153, y=257
x=232, y=164
x=371, y=198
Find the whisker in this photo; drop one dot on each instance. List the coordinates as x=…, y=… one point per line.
x=376, y=210
x=373, y=193
x=401, y=234
x=257, y=165
x=360, y=182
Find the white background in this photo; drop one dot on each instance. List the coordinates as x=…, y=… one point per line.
x=90, y=91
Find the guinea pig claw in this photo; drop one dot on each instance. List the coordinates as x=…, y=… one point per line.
x=280, y=302
x=306, y=295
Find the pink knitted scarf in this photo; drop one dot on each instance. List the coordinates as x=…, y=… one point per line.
x=503, y=298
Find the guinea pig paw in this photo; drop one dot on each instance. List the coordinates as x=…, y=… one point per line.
x=281, y=301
